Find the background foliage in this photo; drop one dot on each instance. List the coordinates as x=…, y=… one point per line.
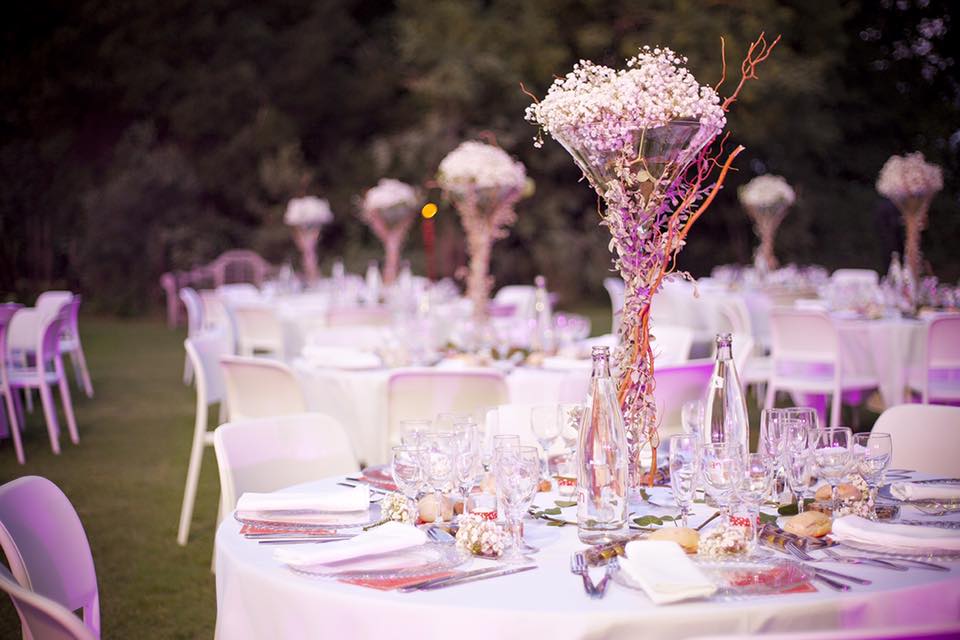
x=138, y=137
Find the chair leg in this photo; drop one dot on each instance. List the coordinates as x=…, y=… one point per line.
x=18, y=407
x=187, y=371
x=193, y=478
x=835, y=403
x=771, y=396
x=80, y=359
x=67, y=401
x=28, y=397
x=10, y=401
x=50, y=413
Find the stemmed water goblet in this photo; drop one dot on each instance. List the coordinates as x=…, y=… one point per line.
x=692, y=416
x=517, y=471
x=684, y=470
x=832, y=452
x=721, y=469
x=407, y=475
x=468, y=459
x=795, y=459
x=873, y=452
x=770, y=445
x=438, y=452
x=411, y=431
x=545, y=424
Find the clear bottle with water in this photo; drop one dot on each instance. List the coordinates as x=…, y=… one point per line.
x=543, y=334
x=601, y=459
x=725, y=410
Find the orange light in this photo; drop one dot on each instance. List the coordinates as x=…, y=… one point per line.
x=429, y=210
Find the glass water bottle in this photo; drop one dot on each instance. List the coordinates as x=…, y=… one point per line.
x=601, y=459
x=725, y=410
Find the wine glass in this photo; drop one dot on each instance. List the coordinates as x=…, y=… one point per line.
x=721, y=471
x=444, y=421
x=771, y=444
x=756, y=479
x=518, y=477
x=795, y=459
x=545, y=424
x=808, y=416
x=684, y=470
x=438, y=453
x=832, y=451
x=568, y=417
x=407, y=475
x=873, y=452
x=411, y=431
x=468, y=458
x=691, y=416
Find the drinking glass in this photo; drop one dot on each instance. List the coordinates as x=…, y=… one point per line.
x=832, y=451
x=438, y=452
x=756, y=480
x=684, y=470
x=808, y=416
x=468, y=460
x=873, y=452
x=568, y=417
x=445, y=421
x=795, y=459
x=721, y=466
x=518, y=477
x=545, y=424
x=691, y=416
x=407, y=475
x=770, y=445
x=411, y=431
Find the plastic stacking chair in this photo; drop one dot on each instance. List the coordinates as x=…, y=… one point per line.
x=70, y=345
x=47, y=548
x=258, y=330
x=806, y=359
x=522, y=297
x=615, y=288
x=671, y=344
x=204, y=352
x=42, y=617
x=675, y=386
x=273, y=453
x=216, y=315
x=47, y=370
x=12, y=412
x=925, y=437
x=194, y=306
x=940, y=377
x=260, y=388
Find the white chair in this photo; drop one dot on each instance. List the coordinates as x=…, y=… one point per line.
x=216, y=315
x=41, y=617
x=12, y=412
x=204, y=352
x=258, y=330
x=70, y=345
x=860, y=276
x=47, y=548
x=806, y=359
x=925, y=437
x=47, y=371
x=418, y=394
x=615, y=289
x=22, y=336
x=194, y=306
x=260, y=388
x=940, y=377
x=522, y=297
x=273, y=453
x=238, y=292
x=675, y=386
x=671, y=344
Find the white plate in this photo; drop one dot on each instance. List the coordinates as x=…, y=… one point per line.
x=310, y=519
x=424, y=560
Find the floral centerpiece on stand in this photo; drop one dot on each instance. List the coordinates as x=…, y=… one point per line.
x=643, y=137
x=307, y=215
x=484, y=184
x=766, y=199
x=911, y=182
x=389, y=209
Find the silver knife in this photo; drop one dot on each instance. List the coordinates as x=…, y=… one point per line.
x=840, y=576
x=469, y=576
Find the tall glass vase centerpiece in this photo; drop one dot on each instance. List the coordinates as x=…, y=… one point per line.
x=766, y=199
x=389, y=209
x=306, y=216
x=643, y=137
x=484, y=184
x=910, y=182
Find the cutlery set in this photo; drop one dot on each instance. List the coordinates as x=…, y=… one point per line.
x=579, y=566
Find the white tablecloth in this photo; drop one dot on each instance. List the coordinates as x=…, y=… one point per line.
x=885, y=349
x=259, y=598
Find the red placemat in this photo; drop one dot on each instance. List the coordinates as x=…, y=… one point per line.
x=260, y=529
x=380, y=477
x=388, y=584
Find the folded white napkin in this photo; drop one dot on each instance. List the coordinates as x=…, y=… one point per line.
x=664, y=572
x=340, y=357
x=334, y=500
x=390, y=536
x=923, y=491
x=895, y=536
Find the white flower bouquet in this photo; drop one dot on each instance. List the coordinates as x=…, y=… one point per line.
x=306, y=215
x=389, y=209
x=766, y=199
x=911, y=182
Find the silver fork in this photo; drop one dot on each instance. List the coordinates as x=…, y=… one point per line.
x=612, y=567
x=800, y=554
x=878, y=562
x=578, y=565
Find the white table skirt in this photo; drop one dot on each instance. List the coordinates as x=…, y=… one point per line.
x=259, y=598
x=884, y=349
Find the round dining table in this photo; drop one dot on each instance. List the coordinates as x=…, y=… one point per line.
x=258, y=597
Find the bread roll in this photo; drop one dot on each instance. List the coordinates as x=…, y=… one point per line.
x=688, y=539
x=427, y=507
x=809, y=523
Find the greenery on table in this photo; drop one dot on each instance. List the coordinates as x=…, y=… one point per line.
x=145, y=136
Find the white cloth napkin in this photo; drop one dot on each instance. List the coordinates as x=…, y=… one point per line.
x=334, y=500
x=339, y=357
x=664, y=572
x=895, y=536
x=923, y=491
x=390, y=536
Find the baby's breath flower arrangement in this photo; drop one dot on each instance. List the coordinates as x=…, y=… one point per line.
x=643, y=137
x=389, y=209
x=766, y=199
x=394, y=506
x=484, y=184
x=480, y=536
x=306, y=215
x=911, y=182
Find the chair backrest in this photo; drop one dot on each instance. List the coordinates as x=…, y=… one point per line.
x=7, y=312
x=671, y=344
x=71, y=325
x=925, y=437
x=521, y=296
x=258, y=327
x=421, y=394
x=50, y=302
x=48, y=344
x=239, y=265
x=205, y=351
x=866, y=276
x=733, y=316
x=802, y=336
x=194, y=306
x=260, y=388
x=43, y=618
x=943, y=343
x=677, y=385
x=46, y=546
x=272, y=453
x=615, y=289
